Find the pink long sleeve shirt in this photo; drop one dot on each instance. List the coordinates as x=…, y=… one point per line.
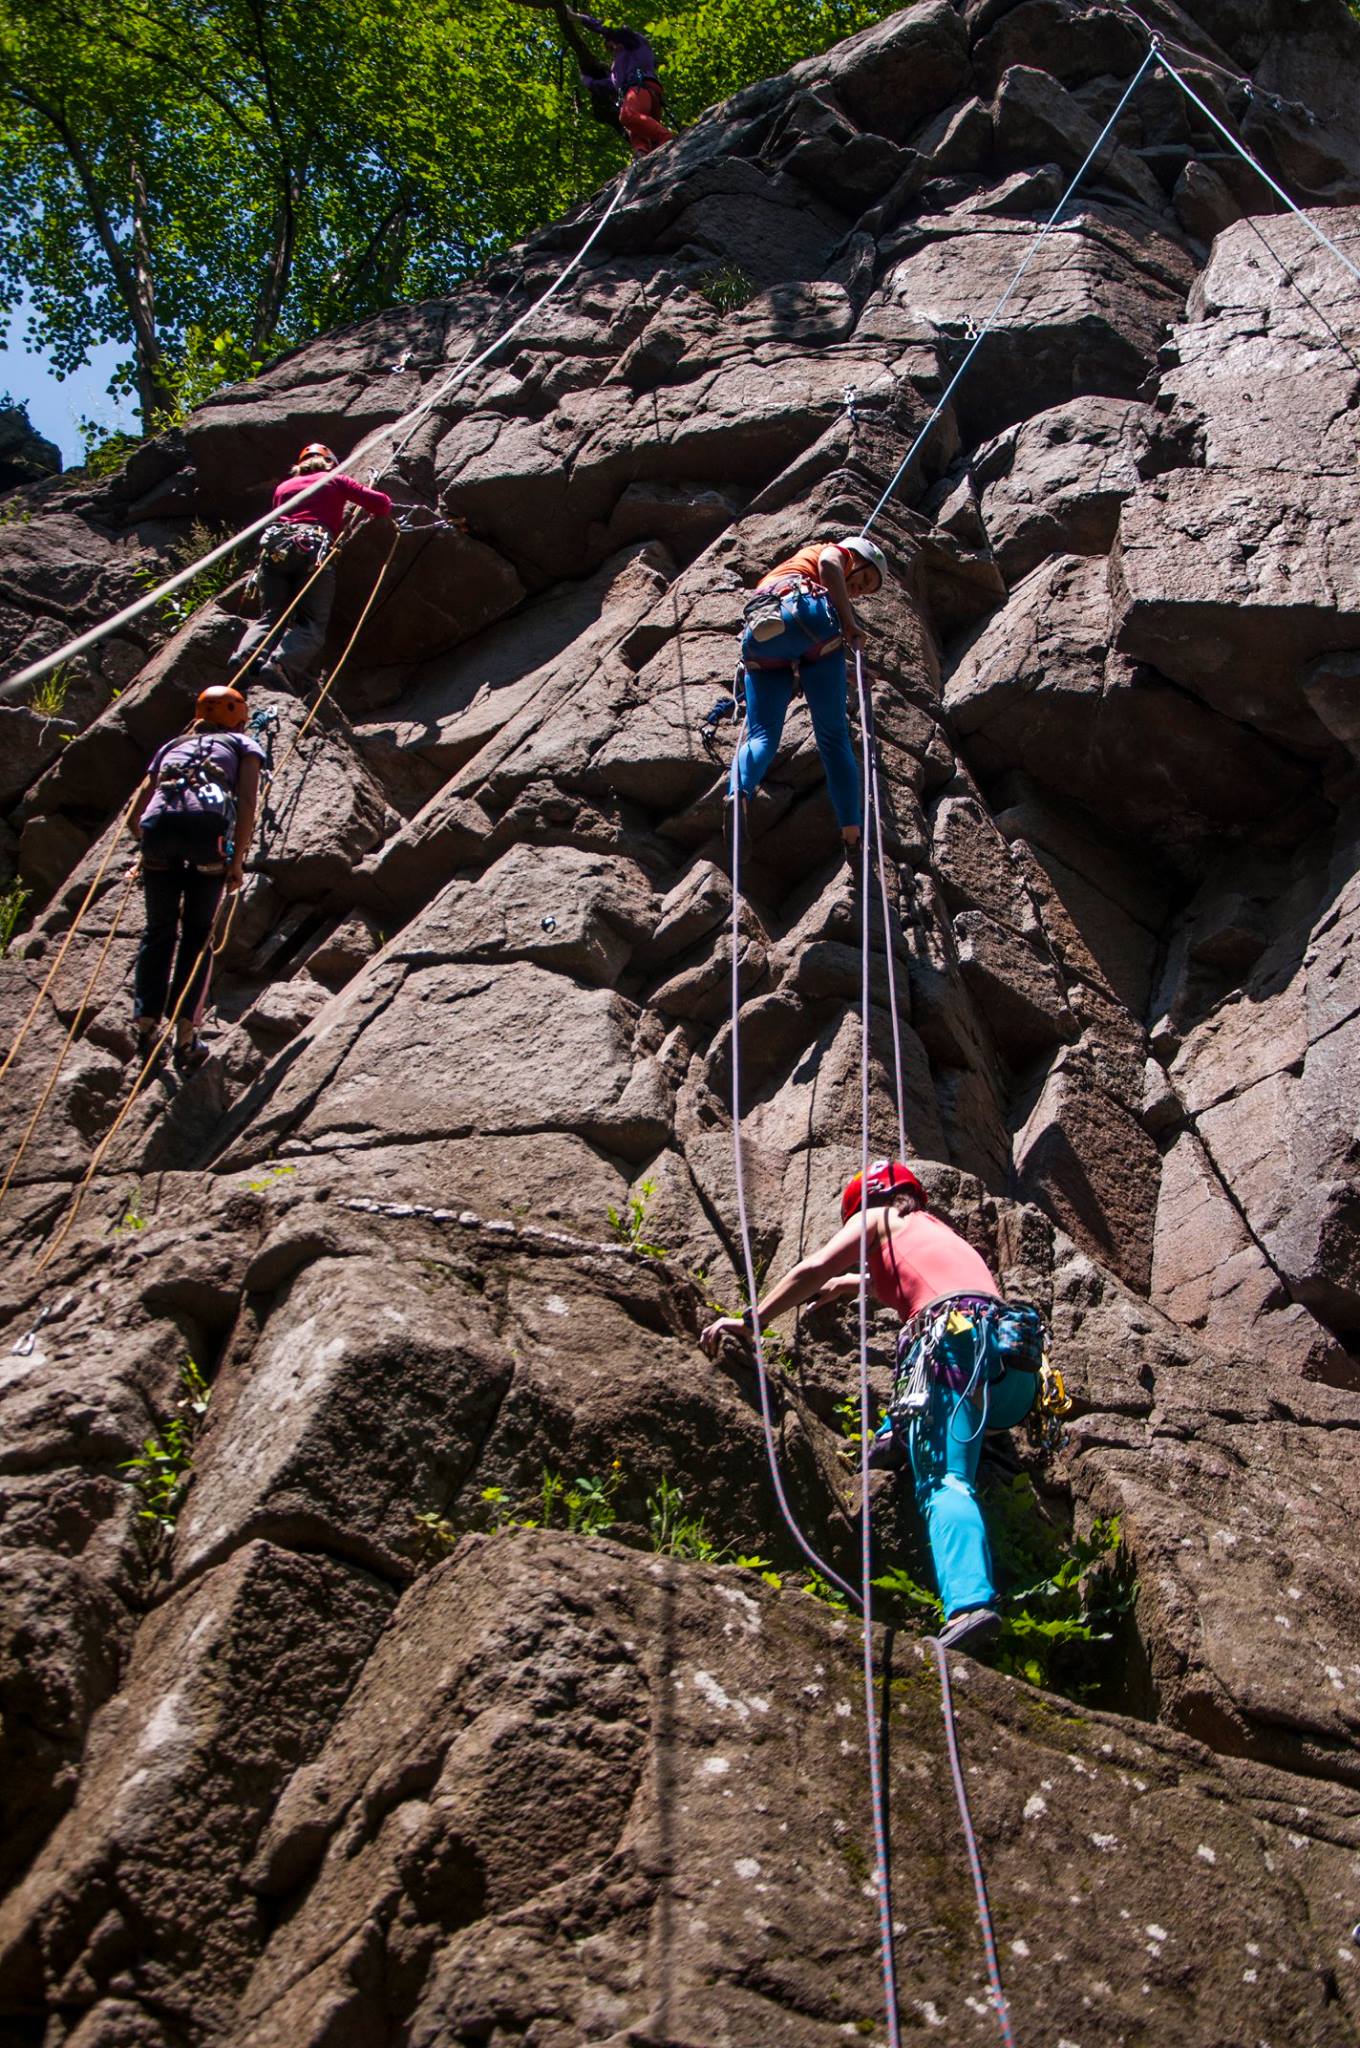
x=326, y=507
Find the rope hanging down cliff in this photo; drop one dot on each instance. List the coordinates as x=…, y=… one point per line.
x=868, y=848
x=88, y=992
x=998, y=309
x=214, y=944
x=408, y=420
x=1156, y=55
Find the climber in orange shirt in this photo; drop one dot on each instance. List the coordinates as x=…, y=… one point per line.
x=797, y=628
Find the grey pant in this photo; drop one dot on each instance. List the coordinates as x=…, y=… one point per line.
x=299, y=643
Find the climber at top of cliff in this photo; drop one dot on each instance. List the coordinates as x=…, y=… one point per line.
x=292, y=550
x=796, y=630
x=194, y=817
x=632, y=81
x=967, y=1363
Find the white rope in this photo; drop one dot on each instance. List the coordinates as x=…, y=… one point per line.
x=83, y=641
x=1012, y=287
x=1000, y=2004
x=884, y=1889
x=739, y=1172
x=1314, y=230
x=872, y=785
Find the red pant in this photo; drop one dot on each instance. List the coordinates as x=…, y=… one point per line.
x=638, y=118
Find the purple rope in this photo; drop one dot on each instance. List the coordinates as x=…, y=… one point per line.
x=885, y=1926
x=1003, y=2011
x=871, y=754
x=762, y=1375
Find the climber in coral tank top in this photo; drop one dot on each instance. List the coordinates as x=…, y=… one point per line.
x=919, y=1263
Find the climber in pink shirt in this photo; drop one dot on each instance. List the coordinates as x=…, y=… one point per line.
x=963, y=1343
x=296, y=590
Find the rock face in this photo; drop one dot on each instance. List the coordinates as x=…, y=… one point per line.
x=282, y=1769
x=25, y=456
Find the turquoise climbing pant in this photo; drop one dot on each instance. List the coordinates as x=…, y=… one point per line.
x=945, y=1442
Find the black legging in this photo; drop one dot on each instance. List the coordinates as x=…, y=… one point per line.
x=180, y=899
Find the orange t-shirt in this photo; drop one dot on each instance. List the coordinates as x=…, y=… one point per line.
x=807, y=562
x=923, y=1259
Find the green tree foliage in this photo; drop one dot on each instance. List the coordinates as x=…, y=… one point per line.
x=212, y=181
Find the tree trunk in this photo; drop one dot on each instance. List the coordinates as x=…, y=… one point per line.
x=280, y=266
x=135, y=280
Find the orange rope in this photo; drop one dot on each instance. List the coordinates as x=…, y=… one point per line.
x=212, y=945
x=76, y=1022
x=88, y=898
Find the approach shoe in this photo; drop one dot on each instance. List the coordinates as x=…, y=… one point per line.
x=191, y=1054
x=971, y=1629
x=269, y=675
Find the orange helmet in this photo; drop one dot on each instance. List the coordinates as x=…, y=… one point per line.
x=221, y=705
x=883, y=1180
x=317, y=448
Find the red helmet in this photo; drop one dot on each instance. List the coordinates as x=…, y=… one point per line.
x=884, y=1178
x=221, y=705
x=319, y=448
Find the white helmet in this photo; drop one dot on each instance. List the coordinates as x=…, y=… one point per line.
x=869, y=552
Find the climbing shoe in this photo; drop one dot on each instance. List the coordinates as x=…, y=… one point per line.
x=150, y=1051
x=971, y=1629
x=190, y=1054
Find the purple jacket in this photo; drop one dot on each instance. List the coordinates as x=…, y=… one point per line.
x=210, y=758
x=634, y=57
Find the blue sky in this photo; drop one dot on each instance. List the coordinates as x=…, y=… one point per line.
x=54, y=407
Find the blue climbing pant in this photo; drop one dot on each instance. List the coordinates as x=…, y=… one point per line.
x=769, y=692
x=946, y=1443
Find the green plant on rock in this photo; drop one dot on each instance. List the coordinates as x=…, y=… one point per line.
x=676, y=1534
x=913, y=1596
x=436, y=1537
x=270, y=1176
x=583, y=1507
x=132, y=1218
x=1059, y=1618
x=178, y=606
x=49, y=695
x=761, y=1565
x=847, y=1414
x=106, y=448
x=726, y=287
x=12, y=901
x=629, y=1224
x=1073, y=1593
x=821, y=1589
x=162, y=1469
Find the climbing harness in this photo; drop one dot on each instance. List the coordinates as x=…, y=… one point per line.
x=410, y=420
x=189, y=774
x=990, y=1352
x=336, y=544
x=213, y=947
x=292, y=544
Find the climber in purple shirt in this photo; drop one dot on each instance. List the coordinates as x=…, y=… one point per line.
x=633, y=76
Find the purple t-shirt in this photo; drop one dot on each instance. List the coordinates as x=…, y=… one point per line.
x=210, y=756
x=634, y=57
